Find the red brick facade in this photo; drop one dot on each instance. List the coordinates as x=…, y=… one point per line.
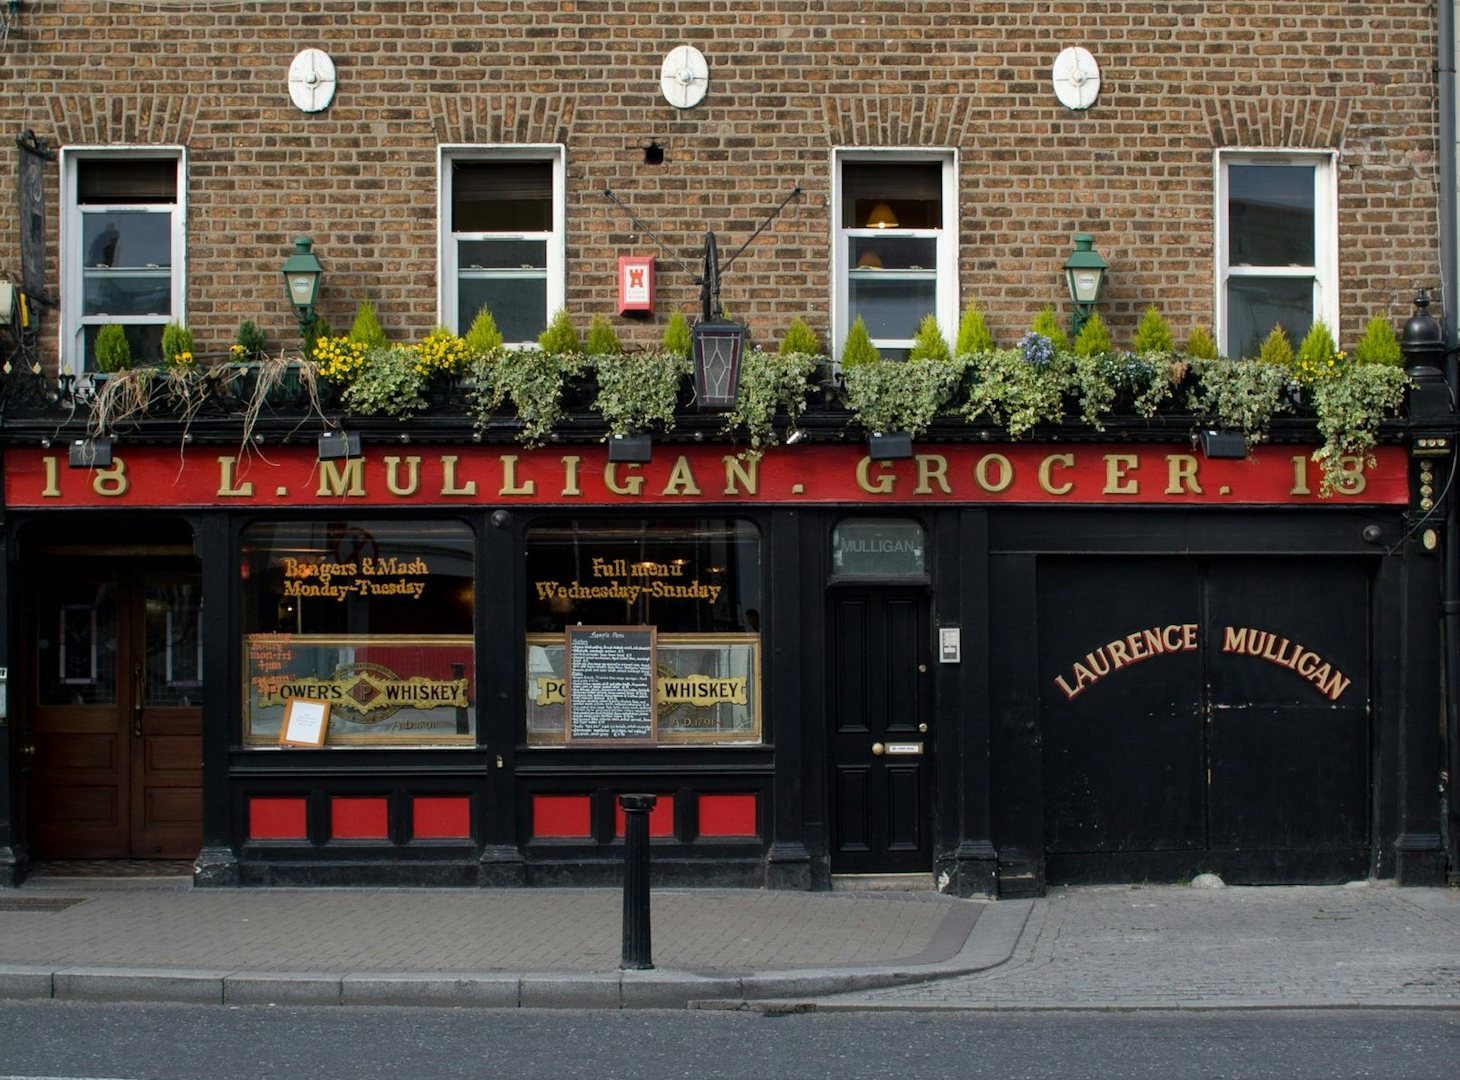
x=788, y=83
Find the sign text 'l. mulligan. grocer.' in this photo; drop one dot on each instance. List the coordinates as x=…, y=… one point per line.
x=689, y=475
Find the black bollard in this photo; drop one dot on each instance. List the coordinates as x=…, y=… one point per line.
x=636, y=951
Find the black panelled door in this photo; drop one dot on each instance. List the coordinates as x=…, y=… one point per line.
x=881, y=738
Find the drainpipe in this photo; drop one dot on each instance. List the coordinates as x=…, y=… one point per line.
x=1450, y=603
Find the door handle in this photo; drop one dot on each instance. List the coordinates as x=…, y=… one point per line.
x=136, y=699
x=878, y=749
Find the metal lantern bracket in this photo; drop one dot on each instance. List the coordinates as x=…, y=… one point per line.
x=709, y=291
x=717, y=343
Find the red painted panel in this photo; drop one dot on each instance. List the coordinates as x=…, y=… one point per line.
x=661, y=818
x=276, y=819
x=441, y=818
x=358, y=818
x=941, y=473
x=727, y=815
x=561, y=816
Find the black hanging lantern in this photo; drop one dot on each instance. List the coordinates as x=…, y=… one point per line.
x=717, y=343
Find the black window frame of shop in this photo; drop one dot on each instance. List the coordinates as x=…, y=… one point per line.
x=696, y=628
x=470, y=531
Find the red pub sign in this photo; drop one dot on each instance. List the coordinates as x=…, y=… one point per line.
x=684, y=475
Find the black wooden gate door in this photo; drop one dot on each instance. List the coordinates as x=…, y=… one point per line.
x=881, y=742
x=1205, y=715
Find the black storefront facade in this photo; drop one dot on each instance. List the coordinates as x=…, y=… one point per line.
x=992, y=666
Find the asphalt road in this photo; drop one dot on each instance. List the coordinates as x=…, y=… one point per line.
x=177, y=1042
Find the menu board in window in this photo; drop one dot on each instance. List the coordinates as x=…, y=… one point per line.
x=610, y=684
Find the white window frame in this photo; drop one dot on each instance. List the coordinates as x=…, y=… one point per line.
x=946, y=287
x=448, y=267
x=73, y=322
x=1324, y=272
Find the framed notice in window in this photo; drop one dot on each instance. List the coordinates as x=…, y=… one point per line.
x=610, y=684
x=306, y=722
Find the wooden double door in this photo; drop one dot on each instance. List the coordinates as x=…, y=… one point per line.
x=112, y=749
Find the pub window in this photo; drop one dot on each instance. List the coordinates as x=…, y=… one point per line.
x=502, y=238
x=1276, y=247
x=695, y=583
x=374, y=617
x=121, y=249
x=895, y=248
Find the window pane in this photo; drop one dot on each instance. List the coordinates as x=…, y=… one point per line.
x=503, y=254
x=373, y=616
x=109, y=293
x=501, y=196
x=893, y=252
x=518, y=304
x=892, y=303
x=146, y=342
x=1255, y=305
x=1270, y=215
x=892, y=194
x=120, y=238
x=119, y=180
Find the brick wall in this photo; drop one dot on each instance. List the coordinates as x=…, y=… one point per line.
x=788, y=82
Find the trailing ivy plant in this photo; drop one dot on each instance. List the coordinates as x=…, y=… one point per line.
x=1006, y=388
x=1090, y=380
x=1242, y=395
x=1350, y=408
x=390, y=383
x=770, y=383
x=532, y=379
x=893, y=395
x=637, y=392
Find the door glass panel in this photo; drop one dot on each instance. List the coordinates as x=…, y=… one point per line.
x=77, y=646
x=174, y=644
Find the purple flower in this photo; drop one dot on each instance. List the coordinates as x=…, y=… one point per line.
x=1036, y=349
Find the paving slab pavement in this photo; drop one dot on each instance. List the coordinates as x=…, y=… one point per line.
x=161, y=939
x=1368, y=944
x=1101, y=947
